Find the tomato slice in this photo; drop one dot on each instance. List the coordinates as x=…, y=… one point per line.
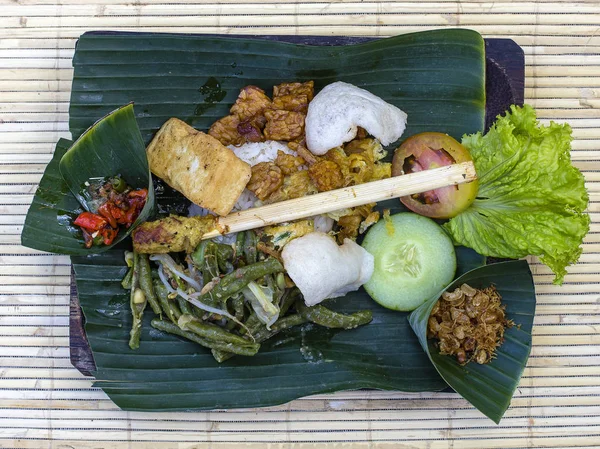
x=433, y=150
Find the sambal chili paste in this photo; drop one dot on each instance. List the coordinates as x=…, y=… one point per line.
x=115, y=204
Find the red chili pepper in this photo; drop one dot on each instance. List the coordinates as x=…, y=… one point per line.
x=90, y=221
x=118, y=212
x=139, y=193
x=106, y=211
x=118, y=209
x=109, y=235
x=136, y=200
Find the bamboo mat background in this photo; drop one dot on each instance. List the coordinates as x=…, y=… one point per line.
x=44, y=402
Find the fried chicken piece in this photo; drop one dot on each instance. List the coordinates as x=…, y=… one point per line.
x=307, y=88
x=225, y=130
x=284, y=125
x=326, y=175
x=288, y=162
x=266, y=179
x=251, y=102
x=297, y=103
x=296, y=185
x=293, y=96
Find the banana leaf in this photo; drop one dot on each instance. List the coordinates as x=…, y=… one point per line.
x=488, y=387
x=169, y=373
x=436, y=77
x=48, y=224
x=111, y=146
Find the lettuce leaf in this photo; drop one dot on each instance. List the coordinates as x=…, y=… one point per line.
x=531, y=199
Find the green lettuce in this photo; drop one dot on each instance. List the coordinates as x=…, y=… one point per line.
x=531, y=199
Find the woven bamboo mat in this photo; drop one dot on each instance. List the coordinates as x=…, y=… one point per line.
x=45, y=403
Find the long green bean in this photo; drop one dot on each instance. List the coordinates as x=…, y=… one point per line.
x=225, y=251
x=247, y=349
x=287, y=300
x=250, y=251
x=325, y=317
x=224, y=258
x=210, y=269
x=238, y=306
x=169, y=307
x=198, y=254
x=184, y=306
x=234, y=282
x=209, y=331
x=281, y=324
x=263, y=334
x=126, y=281
x=145, y=281
x=240, y=238
x=137, y=303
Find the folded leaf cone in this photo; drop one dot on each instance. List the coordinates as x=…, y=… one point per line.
x=488, y=387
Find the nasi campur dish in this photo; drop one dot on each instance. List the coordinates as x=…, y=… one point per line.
x=233, y=292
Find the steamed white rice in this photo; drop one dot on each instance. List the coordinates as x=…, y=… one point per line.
x=256, y=152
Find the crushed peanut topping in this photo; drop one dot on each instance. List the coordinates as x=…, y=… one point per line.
x=469, y=323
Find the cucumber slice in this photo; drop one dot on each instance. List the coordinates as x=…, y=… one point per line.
x=414, y=260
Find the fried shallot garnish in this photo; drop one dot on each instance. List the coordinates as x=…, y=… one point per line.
x=469, y=323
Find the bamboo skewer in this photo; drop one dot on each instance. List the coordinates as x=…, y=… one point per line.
x=324, y=202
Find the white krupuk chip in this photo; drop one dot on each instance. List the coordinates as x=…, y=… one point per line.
x=336, y=112
x=321, y=269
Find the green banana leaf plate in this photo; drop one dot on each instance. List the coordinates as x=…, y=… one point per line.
x=437, y=77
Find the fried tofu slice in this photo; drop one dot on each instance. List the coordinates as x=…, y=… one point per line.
x=171, y=234
x=198, y=165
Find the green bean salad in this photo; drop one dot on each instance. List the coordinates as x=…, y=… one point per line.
x=227, y=298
